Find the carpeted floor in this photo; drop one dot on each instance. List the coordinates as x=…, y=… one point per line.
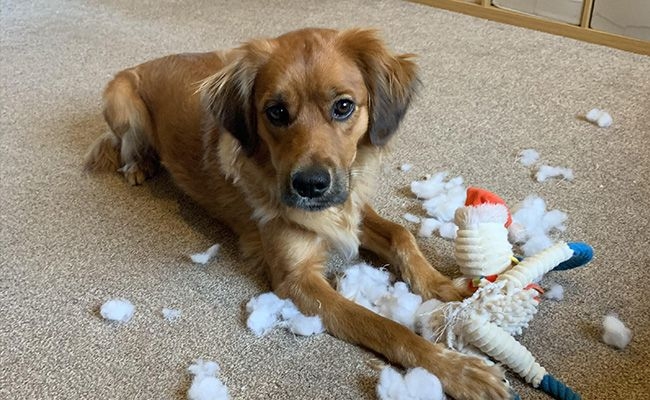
x=69, y=241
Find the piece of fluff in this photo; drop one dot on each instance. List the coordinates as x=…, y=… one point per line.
x=428, y=226
x=118, y=310
x=546, y=171
x=405, y=167
x=411, y=218
x=599, y=117
x=206, y=256
x=532, y=224
x=528, y=157
x=416, y=384
x=205, y=384
x=171, y=314
x=448, y=230
x=372, y=288
x=441, y=200
x=555, y=292
x=615, y=333
x=267, y=311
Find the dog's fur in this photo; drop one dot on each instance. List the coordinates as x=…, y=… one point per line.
x=292, y=182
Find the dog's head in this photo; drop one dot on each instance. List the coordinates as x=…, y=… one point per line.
x=304, y=102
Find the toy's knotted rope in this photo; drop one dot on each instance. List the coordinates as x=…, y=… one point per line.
x=457, y=313
x=557, y=389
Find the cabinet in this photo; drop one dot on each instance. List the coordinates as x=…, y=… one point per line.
x=624, y=24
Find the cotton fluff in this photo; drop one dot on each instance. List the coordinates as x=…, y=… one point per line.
x=545, y=172
x=205, y=384
x=428, y=226
x=406, y=167
x=532, y=224
x=441, y=200
x=599, y=117
x=448, y=230
x=267, y=311
x=411, y=218
x=371, y=288
x=555, y=292
x=364, y=285
x=205, y=257
x=528, y=157
x=417, y=384
x=615, y=333
x=171, y=314
x=118, y=310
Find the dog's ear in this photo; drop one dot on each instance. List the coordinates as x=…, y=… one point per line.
x=228, y=94
x=391, y=80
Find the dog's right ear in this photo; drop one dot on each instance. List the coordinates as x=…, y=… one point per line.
x=228, y=94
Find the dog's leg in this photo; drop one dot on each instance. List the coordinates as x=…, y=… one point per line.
x=295, y=260
x=131, y=132
x=398, y=247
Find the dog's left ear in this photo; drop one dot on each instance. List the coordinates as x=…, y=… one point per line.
x=391, y=80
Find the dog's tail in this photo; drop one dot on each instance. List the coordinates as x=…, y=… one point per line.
x=130, y=125
x=104, y=154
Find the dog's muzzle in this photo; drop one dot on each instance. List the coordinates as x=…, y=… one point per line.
x=315, y=188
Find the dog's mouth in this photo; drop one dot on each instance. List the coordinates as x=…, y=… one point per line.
x=310, y=204
x=315, y=189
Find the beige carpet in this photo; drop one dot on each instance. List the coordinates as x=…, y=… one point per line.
x=69, y=242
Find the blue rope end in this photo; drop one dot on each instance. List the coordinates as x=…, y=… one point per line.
x=582, y=254
x=557, y=389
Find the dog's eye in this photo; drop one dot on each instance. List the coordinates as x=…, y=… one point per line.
x=277, y=115
x=343, y=109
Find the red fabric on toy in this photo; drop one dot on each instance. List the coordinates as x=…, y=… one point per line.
x=478, y=196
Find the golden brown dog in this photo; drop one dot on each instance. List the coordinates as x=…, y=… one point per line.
x=282, y=142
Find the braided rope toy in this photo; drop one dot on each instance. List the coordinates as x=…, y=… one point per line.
x=505, y=299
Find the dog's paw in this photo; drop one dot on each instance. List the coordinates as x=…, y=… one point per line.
x=473, y=379
x=133, y=174
x=136, y=173
x=445, y=292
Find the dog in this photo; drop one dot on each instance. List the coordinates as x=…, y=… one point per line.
x=281, y=139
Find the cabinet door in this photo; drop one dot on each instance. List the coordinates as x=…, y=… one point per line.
x=624, y=17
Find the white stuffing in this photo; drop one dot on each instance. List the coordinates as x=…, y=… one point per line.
x=528, y=157
x=411, y=218
x=417, y=384
x=428, y=226
x=448, y=230
x=546, y=171
x=364, y=285
x=599, y=117
x=405, y=167
x=371, y=287
x=118, y=310
x=205, y=384
x=205, y=257
x=532, y=224
x=592, y=115
x=555, y=292
x=604, y=120
x=428, y=188
x=267, y=311
x=615, y=333
x=171, y=314
x=441, y=200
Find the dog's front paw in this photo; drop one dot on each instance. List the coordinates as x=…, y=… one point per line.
x=471, y=378
x=445, y=291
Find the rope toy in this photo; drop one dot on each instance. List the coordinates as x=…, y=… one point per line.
x=505, y=298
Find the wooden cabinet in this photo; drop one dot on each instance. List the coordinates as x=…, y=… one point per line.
x=624, y=24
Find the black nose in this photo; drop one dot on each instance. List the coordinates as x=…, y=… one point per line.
x=311, y=182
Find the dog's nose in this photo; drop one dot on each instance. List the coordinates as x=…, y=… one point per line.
x=311, y=182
